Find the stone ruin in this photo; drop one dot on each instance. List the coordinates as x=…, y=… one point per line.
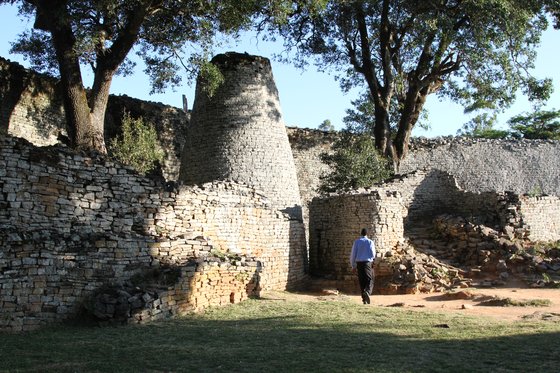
x=81, y=233
x=434, y=236
x=237, y=133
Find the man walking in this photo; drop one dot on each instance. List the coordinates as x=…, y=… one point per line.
x=362, y=258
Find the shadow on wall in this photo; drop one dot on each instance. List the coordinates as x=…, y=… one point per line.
x=74, y=223
x=298, y=252
x=36, y=98
x=438, y=193
x=434, y=195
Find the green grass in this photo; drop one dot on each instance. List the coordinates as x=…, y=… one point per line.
x=508, y=302
x=291, y=336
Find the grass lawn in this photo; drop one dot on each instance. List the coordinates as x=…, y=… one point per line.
x=279, y=335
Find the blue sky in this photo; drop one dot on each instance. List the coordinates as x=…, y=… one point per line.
x=309, y=97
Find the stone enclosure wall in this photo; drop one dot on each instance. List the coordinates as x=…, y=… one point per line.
x=71, y=224
x=238, y=133
x=485, y=165
x=31, y=107
x=415, y=200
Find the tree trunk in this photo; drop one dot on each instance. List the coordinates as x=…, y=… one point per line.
x=382, y=131
x=86, y=118
x=84, y=131
x=98, y=106
x=411, y=112
x=380, y=94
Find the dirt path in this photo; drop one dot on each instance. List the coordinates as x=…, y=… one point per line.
x=471, y=301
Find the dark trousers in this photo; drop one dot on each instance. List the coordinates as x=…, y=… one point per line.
x=365, y=276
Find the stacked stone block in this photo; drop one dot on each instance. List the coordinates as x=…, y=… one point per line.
x=542, y=215
x=410, y=202
x=72, y=223
x=238, y=133
x=30, y=104
x=31, y=108
x=487, y=165
x=335, y=222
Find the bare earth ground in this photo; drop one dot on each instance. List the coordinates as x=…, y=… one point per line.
x=467, y=301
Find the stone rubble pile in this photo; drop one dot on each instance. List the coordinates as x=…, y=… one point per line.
x=409, y=271
x=484, y=252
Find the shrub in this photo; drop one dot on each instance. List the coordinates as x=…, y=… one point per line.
x=355, y=163
x=138, y=145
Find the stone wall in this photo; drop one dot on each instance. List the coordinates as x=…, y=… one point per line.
x=30, y=104
x=238, y=133
x=335, y=222
x=408, y=203
x=307, y=147
x=71, y=224
x=479, y=165
x=540, y=217
x=31, y=108
x=484, y=165
x=170, y=123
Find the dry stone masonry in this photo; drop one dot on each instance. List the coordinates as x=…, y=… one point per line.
x=72, y=224
x=395, y=210
x=238, y=132
x=30, y=104
x=485, y=165
x=31, y=107
x=81, y=233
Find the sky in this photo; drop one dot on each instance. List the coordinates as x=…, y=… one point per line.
x=309, y=97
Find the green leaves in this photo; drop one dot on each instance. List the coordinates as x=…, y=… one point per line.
x=355, y=164
x=138, y=146
x=477, y=52
x=212, y=77
x=541, y=124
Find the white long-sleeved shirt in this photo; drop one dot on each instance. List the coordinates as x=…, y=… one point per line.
x=363, y=250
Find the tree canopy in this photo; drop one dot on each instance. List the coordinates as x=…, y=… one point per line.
x=537, y=125
x=477, y=52
x=326, y=126
x=70, y=34
x=355, y=163
x=541, y=124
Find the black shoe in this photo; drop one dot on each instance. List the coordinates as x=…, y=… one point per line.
x=365, y=297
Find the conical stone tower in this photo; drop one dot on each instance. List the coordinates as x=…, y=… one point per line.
x=238, y=133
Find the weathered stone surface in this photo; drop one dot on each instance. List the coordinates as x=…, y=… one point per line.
x=392, y=211
x=74, y=223
x=486, y=165
x=238, y=133
x=31, y=107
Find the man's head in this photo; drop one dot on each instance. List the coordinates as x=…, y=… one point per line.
x=364, y=232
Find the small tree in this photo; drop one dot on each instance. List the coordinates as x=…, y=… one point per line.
x=355, y=163
x=326, y=126
x=541, y=124
x=138, y=145
x=482, y=126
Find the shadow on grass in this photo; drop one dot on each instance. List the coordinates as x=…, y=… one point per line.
x=321, y=338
